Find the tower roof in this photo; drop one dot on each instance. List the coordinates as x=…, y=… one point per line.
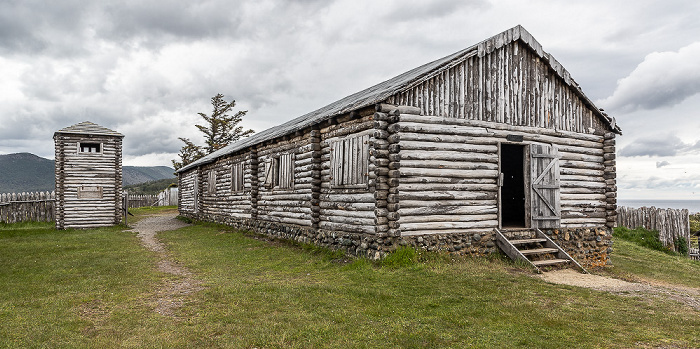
x=89, y=128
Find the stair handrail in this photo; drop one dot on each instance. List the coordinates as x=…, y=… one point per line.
x=502, y=239
x=542, y=235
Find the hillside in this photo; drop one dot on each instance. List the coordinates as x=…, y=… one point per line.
x=25, y=172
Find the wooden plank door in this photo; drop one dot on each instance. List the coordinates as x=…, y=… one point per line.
x=546, y=208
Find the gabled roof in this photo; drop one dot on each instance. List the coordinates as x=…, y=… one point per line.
x=380, y=92
x=89, y=128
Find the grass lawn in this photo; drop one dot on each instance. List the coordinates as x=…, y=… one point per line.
x=96, y=288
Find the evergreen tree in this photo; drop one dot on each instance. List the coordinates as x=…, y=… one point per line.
x=220, y=130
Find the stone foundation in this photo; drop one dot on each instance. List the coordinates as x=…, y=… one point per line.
x=589, y=246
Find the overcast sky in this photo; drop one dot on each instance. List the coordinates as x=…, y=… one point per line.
x=145, y=68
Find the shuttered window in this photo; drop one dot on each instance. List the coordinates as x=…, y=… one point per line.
x=237, y=177
x=279, y=171
x=349, y=162
x=211, y=182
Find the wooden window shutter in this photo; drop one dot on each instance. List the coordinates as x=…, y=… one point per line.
x=350, y=162
x=544, y=177
x=237, y=176
x=337, y=163
x=211, y=182
x=286, y=171
x=268, y=181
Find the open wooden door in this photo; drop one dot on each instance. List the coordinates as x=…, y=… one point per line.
x=545, y=205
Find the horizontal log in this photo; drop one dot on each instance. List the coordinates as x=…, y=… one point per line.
x=344, y=213
x=447, y=195
x=402, y=109
x=285, y=220
x=447, y=186
x=433, y=179
x=446, y=231
x=447, y=210
x=405, y=203
x=582, y=197
x=348, y=206
x=457, y=165
x=365, y=229
x=439, y=138
x=356, y=221
x=448, y=225
x=460, y=147
x=447, y=218
x=422, y=172
x=348, y=198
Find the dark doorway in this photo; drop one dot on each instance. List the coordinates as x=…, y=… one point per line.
x=513, y=189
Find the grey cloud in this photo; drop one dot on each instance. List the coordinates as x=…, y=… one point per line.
x=660, y=164
x=668, y=146
x=423, y=10
x=663, y=79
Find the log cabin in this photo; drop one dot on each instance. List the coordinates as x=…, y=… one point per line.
x=495, y=146
x=88, y=176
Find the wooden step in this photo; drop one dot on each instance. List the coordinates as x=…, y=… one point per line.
x=526, y=241
x=539, y=251
x=549, y=262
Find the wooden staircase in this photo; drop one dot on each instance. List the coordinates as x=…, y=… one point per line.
x=533, y=247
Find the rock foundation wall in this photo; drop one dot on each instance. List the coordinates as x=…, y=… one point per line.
x=589, y=246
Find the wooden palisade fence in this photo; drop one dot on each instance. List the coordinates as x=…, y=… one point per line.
x=23, y=207
x=670, y=223
x=40, y=206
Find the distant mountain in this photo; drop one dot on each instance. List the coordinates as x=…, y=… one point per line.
x=25, y=172
x=140, y=174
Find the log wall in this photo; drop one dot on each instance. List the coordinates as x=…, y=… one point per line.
x=350, y=208
x=449, y=173
x=78, y=171
x=511, y=85
x=224, y=199
x=187, y=182
x=275, y=202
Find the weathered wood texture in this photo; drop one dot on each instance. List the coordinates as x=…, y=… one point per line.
x=222, y=194
x=450, y=167
x=88, y=185
x=670, y=223
x=511, y=85
x=284, y=173
x=346, y=202
x=27, y=207
x=168, y=197
x=187, y=182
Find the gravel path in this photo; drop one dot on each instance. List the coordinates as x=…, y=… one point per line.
x=686, y=295
x=170, y=296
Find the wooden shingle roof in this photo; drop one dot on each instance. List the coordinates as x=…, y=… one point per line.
x=89, y=128
x=380, y=92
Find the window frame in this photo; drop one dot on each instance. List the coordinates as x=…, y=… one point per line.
x=349, y=161
x=81, y=144
x=238, y=177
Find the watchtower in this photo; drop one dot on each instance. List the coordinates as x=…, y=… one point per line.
x=88, y=176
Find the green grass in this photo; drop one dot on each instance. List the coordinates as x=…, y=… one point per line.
x=637, y=263
x=642, y=237
x=96, y=288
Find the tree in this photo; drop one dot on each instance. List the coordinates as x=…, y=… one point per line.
x=189, y=153
x=220, y=130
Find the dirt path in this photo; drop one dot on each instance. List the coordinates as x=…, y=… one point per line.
x=686, y=295
x=170, y=296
